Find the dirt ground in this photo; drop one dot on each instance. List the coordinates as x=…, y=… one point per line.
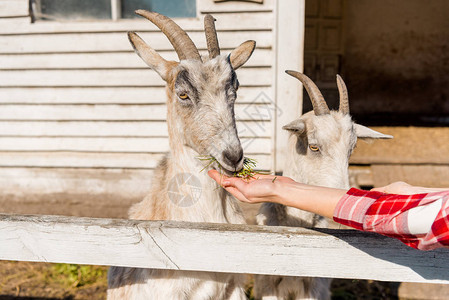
x=26, y=280
x=44, y=281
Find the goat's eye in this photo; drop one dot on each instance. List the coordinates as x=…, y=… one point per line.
x=314, y=148
x=183, y=96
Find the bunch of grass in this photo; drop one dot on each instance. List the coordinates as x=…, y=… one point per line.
x=247, y=172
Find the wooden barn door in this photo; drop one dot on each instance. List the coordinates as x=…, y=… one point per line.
x=323, y=46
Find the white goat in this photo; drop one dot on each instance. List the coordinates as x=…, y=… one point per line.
x=320, y=144
x=200, y=119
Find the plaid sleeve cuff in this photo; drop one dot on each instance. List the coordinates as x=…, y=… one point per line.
x=352, y=207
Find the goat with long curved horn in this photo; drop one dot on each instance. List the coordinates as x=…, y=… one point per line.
x=318, y=103
x=200, y=123
x=211, y=36
x=317, y=154
x=343, y=91
x=182, y=43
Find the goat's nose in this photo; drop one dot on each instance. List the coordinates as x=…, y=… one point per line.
x=233, y=156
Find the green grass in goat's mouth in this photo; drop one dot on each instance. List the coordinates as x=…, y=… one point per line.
x=247, y=172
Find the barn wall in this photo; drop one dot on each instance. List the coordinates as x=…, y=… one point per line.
x=395, y=63
x=396, y=57
x=82, y=117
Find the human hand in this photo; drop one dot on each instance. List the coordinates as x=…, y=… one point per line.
x=401, y=188
x=283, y=190
x=260, y=188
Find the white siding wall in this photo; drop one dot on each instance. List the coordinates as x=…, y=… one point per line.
x=81, y=114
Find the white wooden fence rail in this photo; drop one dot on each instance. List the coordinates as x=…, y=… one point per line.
x=218, y=248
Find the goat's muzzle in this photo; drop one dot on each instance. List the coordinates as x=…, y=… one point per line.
x=234, y=158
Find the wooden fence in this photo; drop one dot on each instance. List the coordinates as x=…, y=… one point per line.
x=218, y=248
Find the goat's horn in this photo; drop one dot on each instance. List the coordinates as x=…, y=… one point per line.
x=343, y=91
x=211, y=36
x=182, y=43
x=318, y=103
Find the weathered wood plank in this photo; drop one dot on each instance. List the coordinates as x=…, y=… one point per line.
x=111, y=129
x=6, y=23
x=196, y=246
x=84, y=128
x=82, y=112
x=95, y=160
x=79, y=78
x=120, y=77
x=79, y=160
x=410, y=145
x=262, y=20
x=123, y=95
x=118, y=41
x=113, y=112
x=90, y=95
x=13, y=8
x=112, y=144
x=108, y=60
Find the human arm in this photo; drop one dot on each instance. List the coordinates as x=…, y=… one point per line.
x=418, y=220
x=282, y=190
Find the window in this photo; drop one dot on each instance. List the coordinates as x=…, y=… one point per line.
x=170, y=8
x=108, y=9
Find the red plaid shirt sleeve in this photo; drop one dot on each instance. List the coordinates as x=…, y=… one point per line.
x=420, y=221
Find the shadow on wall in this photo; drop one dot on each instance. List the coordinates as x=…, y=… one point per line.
x=396, y=61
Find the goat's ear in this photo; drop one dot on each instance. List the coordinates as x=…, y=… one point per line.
x=150, y=56
x=363, y=132
x=297, y=126
x=241, y=54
